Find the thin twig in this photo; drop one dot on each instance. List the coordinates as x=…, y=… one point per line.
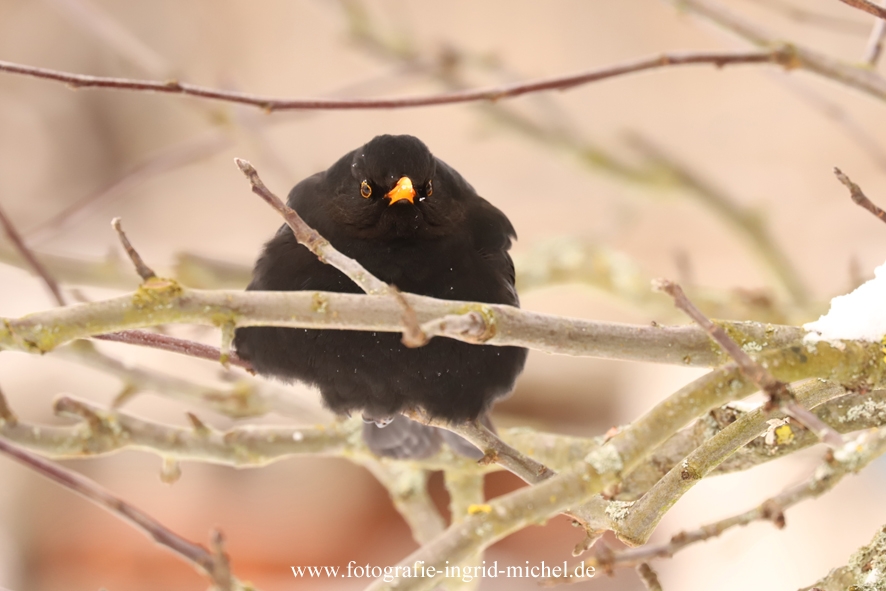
x=413, y=336
x=867, y=6
x=494, y=449
x=195, y=553
x=648, y=577
x=780, y=394
x=859, y=131
x=34, y=263
x=494, y=93
x=164, y=342
x=874, y=48
x=801, y=14
x=858, y=195
x=100, y=25
x=497, y=451
x=144, y=271
x=311, y=239
x=860, y=78
x=748, y=223
x=6, y=414
x=243, y=398
x=162, y=161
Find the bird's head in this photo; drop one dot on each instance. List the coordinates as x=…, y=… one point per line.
x=395, y=188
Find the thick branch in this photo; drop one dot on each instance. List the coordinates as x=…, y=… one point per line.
x=866, y=448
x=112, y=430
x=644, y=515
x=169, y=303
x=620, y=455
x=108, y=431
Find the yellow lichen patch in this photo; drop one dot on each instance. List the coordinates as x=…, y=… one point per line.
x=479, y=509
x=222, y=318
x=784, y=435
x=156, y=291
x=488, y=317
x=319, y=303
x=883, y=347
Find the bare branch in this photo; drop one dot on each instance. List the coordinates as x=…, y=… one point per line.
x=309, y=237
x=863, y=569
x=590, y=517
x=144, y=271
x=804, y=15
x=164, y=342
x=100, y=25
x=484, y=94
x=858, y=195
x=170, y=303
x=109, y=431
x=875, y=43
x=159, y=162
x=245, y=397
x=648, y=577
x=780, y=394
x=635, y=525
x=113, y=430
x=413, y=336
x=860, y=452
x=497, y=451
x=863, y=79
x=603, y=467
x=867, y=6
x=408, y=486
x=6, y=415
x=210, y=564
x=32, y=261
x=747, y=223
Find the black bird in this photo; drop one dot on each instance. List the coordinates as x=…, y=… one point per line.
x=413, y=222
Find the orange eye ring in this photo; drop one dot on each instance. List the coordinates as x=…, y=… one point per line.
x=365, y=190
x=430, y=190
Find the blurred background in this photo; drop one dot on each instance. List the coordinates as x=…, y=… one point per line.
x=664, y=173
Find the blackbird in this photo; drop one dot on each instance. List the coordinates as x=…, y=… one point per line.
x=414, y=222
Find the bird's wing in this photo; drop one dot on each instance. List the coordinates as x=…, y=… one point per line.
x=492, y=235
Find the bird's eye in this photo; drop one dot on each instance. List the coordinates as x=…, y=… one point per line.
x=429, y=190
x=365, y=190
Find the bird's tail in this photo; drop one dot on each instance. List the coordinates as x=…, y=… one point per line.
x=406, y=439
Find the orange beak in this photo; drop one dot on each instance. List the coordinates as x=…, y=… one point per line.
x=402, y=190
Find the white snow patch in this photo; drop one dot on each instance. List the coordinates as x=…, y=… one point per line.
x=860, y=315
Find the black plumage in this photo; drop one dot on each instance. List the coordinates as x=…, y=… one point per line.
x=413, y=222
